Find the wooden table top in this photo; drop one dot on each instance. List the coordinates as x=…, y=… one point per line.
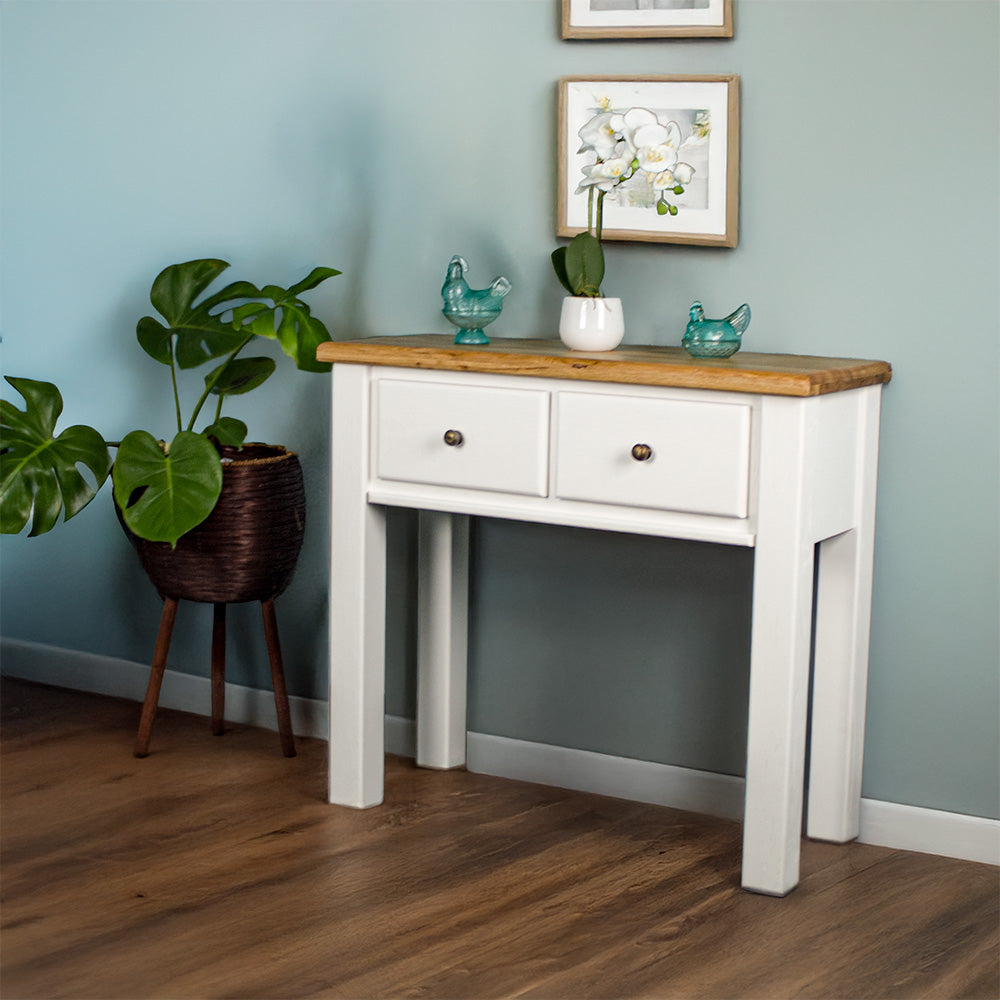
x=771, y=374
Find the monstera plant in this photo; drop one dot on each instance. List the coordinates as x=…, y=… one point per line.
x=163, y=488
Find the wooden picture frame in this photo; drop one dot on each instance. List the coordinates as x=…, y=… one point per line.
x=647, y=19
x=701, y=114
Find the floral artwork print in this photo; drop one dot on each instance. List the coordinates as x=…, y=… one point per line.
x=644, y=158
x=651, y=159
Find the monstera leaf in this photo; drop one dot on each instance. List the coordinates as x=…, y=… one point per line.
x=289, y=320
x=179, y=484
x=227, y=431
x=200, y=334
x=233, y=378
x=39, y=472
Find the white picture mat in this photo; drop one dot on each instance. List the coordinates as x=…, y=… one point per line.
x=582, y=103
x=580, y=15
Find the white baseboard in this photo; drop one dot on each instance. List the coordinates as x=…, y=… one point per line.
x=930, y=831
x=886, y=824
x=80, y=671
x=603, y=774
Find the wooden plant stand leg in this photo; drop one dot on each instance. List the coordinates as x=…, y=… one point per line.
x=278, y=678
x=219, y=670
x=156, y=677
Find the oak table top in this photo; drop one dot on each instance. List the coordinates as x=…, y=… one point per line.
x=770, y=374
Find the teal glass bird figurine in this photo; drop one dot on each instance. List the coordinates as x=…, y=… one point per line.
x=471, y=309
x=715, y=338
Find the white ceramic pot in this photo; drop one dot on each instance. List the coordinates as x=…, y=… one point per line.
x=588, y=324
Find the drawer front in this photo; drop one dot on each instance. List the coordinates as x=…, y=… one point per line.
x=503, y=436
x=699, y=460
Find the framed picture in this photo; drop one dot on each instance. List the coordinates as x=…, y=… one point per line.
x=650, y=158
x=647, y=18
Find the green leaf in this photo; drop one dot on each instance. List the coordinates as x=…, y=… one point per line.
x=180, y=486
x=239, y=375
x=198, y=344
x=154, y=339
x=315, y=277
x=299, y=334
x=662, y=208
x=198, y=334
x=288, y=319
x=176, y=287
x=39, y=473
x=559, y=265
x=585, y=264
x=275, y=293
x=228, y=431
x=234, y=291
x=262, y=324
x=245, y=314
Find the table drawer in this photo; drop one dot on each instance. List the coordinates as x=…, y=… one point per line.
x=501, y=442
x=699, y=458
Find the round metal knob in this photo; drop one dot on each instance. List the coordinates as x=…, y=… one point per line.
x=453, y=438
x=642, y=452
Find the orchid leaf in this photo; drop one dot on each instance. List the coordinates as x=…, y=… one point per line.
x=177, y=487
x=585, y=264
x=40, y=473
x=559, y=265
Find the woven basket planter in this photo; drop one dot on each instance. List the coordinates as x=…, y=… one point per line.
x=247, y=548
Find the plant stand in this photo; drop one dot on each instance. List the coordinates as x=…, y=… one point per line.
x=218, y=674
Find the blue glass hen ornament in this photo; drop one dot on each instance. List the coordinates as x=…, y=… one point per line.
x=471, y=309
x=715, y=338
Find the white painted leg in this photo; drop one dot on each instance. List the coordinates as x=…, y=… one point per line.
x=779, y=659
x=357, y=602
x=840, y=671
x=442, y=648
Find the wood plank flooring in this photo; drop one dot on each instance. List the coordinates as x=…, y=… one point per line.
x=215, y=869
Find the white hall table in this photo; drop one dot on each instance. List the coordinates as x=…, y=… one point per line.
x=776, y=452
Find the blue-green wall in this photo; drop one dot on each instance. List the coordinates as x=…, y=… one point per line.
x=381, y=136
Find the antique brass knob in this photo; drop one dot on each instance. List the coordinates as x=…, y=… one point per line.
x=453, y=438
x=642, y=452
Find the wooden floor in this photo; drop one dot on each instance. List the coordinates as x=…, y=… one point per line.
x=214, y=868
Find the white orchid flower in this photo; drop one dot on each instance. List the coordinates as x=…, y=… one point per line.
x=650, y=135
x=656, y=159
x=683, y=172
x=673, y=135
x=605, y=175
x=666, y=180
x=633, y=120
x=598, y=135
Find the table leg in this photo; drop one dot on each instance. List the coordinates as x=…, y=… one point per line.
x=779, y=659
x=442, y=647
x=357, y=602
x=840, y=669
